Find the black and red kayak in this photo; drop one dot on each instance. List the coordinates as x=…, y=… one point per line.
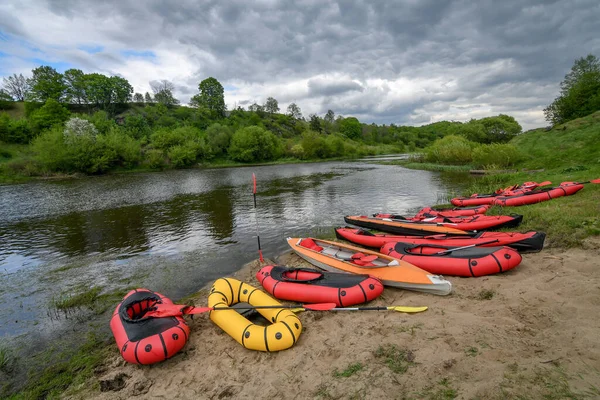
x=428, y=212
x=307, y=285
x=471, y=223
x=450, y=260
x=528, y=242
x=539, y=195
x=143, y=339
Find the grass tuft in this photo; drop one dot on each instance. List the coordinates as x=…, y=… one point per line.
x=486, y=294
x=398, y=360
x=349, y=371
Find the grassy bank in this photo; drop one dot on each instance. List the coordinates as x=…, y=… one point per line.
x=569, y=152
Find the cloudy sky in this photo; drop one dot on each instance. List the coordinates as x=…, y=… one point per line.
x=407, y=62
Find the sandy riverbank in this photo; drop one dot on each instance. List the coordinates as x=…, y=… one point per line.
x=530, y=332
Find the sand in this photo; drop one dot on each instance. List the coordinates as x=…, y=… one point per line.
x=528, y=333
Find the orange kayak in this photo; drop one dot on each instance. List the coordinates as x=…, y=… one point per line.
x=416, y=228
x=341, y=257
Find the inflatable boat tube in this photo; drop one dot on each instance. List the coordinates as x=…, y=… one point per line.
x=307, y=285
x=146, y=340
x=285, y=326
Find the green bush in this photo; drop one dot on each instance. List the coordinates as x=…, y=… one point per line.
x=20, y=131
x=165, y=138
x=30, y=107
x=297, y=151
x=50, y=114
x=314, y=145
x=155, y=158
x=218, y=137
x=101, y=121
x=183, y=155
x=336, y=146
x=254, y=144
x=452, y=149
x=123, y=150
x=5, y=128
x=500, y=155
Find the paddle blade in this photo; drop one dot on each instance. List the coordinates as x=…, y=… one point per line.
x=595, y=181
x=319, y=307
x=544, y=183
x=253, y=183
x=407, y=309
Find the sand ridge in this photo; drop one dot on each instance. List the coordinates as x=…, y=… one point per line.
x=530, y=332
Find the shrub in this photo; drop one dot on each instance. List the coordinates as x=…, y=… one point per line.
x=20, y=131
x=4, y=128
x=314, y=145
x=50, y=114
x=76, y=128
x=183, y=155
x=254, y=144
x=297, y=151
x=155, y=158
x=124, y=150
x=452, y=149
x=219, y=138
x=336, y=146
x=166, y=138
x=501, y=155
x=101, y=121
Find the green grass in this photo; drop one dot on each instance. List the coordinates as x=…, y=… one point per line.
x=550, y=383
x=66, y=376
x=440, y=391
x=93, y=299
x=486, y=294
x=349, y=371
x=5, y=360
x=429, y=166
x=397, y=359
x=471, y=351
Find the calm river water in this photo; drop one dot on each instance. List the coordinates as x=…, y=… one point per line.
x=173, y=231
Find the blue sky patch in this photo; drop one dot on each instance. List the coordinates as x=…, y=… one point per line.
x=137, y=53
x=60, y=66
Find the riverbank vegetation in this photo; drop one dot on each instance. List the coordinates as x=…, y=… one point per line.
x=77, y=123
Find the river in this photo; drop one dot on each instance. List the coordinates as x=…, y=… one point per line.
x=172, y=231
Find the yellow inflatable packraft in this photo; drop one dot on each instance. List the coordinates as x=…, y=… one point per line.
x=280, y=335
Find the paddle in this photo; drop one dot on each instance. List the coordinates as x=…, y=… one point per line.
x=590, y=181
x=465, y=247
x=260, y=255
x=175, y=310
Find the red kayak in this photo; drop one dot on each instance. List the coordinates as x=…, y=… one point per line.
x=306, y=285
x=528, y=242
x=537, y=196
x=449, y=260
x=428, y=212
x=472, y=223
x=489, y=199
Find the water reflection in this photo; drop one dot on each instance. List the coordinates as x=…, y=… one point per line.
x=178, y=230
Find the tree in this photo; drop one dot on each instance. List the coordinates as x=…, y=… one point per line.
x=294, y=111
x=315, y=123
x=271, y=106
x=75, y=85
x=98, y=90
x=159, y=86
x=211, y=97
x=148, y=98
x=138, y=98
x=121, y=90
x=256, y=108
x=46, y=83
x=16, y=86
x=351, y=127
x=580, y=92
x=329, y=117
x=218, y=137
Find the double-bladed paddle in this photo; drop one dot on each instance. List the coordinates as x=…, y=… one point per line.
x=177, y=310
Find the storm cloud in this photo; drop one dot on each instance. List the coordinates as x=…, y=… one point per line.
x=403, y=62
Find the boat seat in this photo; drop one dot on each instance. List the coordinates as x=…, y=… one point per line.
x=329, y=251
x=344, y=255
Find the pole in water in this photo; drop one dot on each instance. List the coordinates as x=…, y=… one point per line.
x=256, y=217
